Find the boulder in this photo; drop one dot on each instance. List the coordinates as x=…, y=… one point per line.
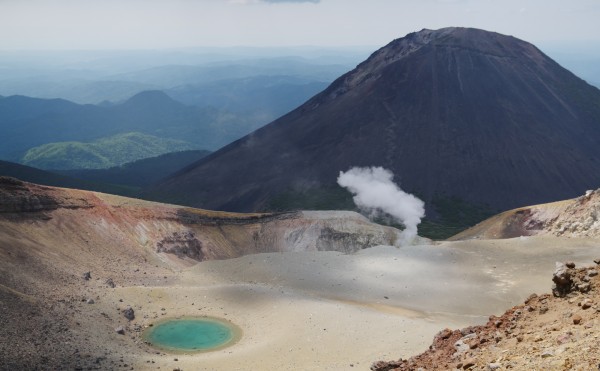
x=129, y=313
x=562, y=280
x=110, y=283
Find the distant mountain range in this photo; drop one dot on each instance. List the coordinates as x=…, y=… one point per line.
x=31, y=122
x=141, y=173
x=233, y=90
x=125, y=180
x=95, y=77
x=48, y=178
x=461, y=116
x=269, y=96
x=170, y=76
x=101, y=153
x=209, y=104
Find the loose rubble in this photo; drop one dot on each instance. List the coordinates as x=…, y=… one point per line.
x=558, y=331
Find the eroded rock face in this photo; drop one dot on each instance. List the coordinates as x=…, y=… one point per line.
x=342, y=231
x=181, y=244
x=578, y=217
x=16, y=197
x=184, y=233
x=7, y=182
x=333, y=240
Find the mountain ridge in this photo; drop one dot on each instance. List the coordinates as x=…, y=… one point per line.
x=47, y=178
x=27, y=122
x=491, y=128
x=139, y=173
x=101, y=153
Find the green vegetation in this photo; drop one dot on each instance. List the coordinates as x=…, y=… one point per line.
x=37, y=176
x=102, y=153
x=327, y=198
x=453, y=216
x=140, y=173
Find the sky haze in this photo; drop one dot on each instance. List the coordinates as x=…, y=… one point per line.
x=159, y=24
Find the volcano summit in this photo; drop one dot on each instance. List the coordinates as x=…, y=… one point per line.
x=455, y=112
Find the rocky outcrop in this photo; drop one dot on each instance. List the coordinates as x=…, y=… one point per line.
x=210, y=238
x=17, y=196
x=206, y=217
x=182, y=244
x=567, y=279
x=545, y=332
x=343, y=231
x=578, y=217
x=332, y=240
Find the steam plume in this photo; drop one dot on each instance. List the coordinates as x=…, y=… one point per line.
x=375, y=192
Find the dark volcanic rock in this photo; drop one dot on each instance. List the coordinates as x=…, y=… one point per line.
x=16, y=197
x=457, y=112
x=129, y=313
x=182, y=244
x=110, y=283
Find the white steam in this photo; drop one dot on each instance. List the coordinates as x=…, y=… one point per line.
x=375, y=192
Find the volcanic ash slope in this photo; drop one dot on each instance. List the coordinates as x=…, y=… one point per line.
x=455, y=112
x=298, y=308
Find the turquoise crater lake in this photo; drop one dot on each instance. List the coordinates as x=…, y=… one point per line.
x=192, y=334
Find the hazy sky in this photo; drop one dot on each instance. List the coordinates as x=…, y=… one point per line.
x=125, y=24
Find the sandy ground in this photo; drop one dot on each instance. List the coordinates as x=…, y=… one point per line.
x=327, y=310
x=298, y=310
